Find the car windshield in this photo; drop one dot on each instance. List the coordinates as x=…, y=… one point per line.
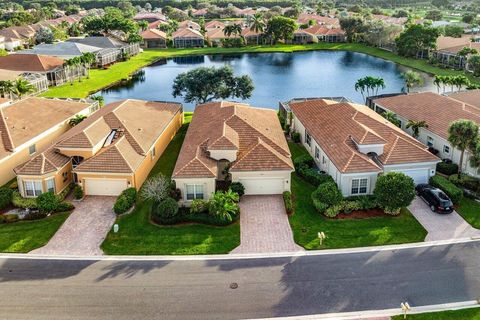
x=444, y=199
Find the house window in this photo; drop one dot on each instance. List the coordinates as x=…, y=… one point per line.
x=429, y=141
x=308, y=139
x=194, y=191
x=32, y=188
x=51, y=185
x=317, y=153
x=32, y=149
x=359, y=186
x=446, y=149
x=153, y=153
x=324, y=160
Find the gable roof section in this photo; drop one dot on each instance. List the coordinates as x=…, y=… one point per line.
x=187, y=33
x=153, y=34
x=338, y=127
x=255, y=133
x=437, y=110
x=65, y=50
x=470, y=97
x=30, y=62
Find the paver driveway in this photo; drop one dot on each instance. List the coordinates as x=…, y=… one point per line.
x=84, y=230
x=264, y=226
x=441, y=226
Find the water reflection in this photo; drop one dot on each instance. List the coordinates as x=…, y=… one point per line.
x=277, y=76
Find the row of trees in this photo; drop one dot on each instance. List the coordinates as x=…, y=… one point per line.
x=458, y=82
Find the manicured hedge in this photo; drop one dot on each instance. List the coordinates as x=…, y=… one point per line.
x=314, y=177
x=303, y=160
x=447, y=168
x=20, y=202
x=296, y=137
x=238, y=188
x=185, y=215
x=125, y=201
x=78, y=192
x=467, y=182
x=287, y=199
x=165, y=212
x=449, y=188
x=6, y=195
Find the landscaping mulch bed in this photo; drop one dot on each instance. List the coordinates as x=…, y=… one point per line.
x=361, y=214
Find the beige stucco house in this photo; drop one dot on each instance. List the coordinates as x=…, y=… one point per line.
x=228, y=141
x=353, y=144
x=30, y=125
x=110, y=151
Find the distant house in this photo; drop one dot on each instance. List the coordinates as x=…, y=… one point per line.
x=110, y=151
x=216, y=36
x=305, y=18
x=189, y=24
x=30, y=125
x=38, y=80
x=325, y=34
x=154, y=38
x=353, y=144
x=302, y=36
x=448, y=49
x=438, y=112
x=228, y=141
x=14, y=39
x=63, y=50
x=111, y=49
x=214, y=24
x=252, y=37
x=149, y=17
x=187, y=38
x=53, y=68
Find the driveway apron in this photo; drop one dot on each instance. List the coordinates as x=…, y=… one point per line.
x=84, y=230
x=441, y=226
x=264, y=226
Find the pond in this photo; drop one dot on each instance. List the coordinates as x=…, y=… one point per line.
x=276, y=76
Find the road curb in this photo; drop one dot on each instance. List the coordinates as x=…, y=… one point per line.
x=243, y=256
x=370, y=314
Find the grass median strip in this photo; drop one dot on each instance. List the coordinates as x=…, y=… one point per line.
x=100, y=79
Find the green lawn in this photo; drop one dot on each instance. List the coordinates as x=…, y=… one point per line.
x=137, y=236
x=306, y=222
x=103, y=78
x=24, y=236
x=464, y=314
x=470, y=211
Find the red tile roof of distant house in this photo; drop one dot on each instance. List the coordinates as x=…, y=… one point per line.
x=469, y=97
x=153, y=34
x=187, y=33
x=30, y=62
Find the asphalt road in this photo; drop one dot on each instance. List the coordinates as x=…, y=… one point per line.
x=66, y=289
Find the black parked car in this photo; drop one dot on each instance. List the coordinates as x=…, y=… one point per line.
x=436, y=199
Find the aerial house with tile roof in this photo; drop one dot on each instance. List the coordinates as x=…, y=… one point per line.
x=110, y=151
x=30, y=125
x=438, y=111
x=354, y=144
x=232, y=142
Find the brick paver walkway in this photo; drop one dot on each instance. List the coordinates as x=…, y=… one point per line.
x=441, y=226
x=264, y=226
x=84, y=230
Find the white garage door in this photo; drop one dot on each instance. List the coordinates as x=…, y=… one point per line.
x=263, y=186
x=418, y=176
x=105, y=187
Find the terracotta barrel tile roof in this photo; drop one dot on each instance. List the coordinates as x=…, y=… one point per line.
x=30, y=62
x=339, y=127
x=254, y=132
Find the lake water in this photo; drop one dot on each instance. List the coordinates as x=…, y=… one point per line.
x=276, y=76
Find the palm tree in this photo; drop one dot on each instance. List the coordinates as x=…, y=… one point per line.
x=7, y=87
x=437, y=81
x=88, y=59
x=258, y=23
x=463, y=135
x=460, y=81
x=392, y=117
x=23, y=87
x=416, y=126
x=361, y=86
x=369, y=85
x=228, y=30
x=99, y=98
x=76, y=120
x=412, y=79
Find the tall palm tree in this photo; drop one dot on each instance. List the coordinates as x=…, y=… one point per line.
x=88, y=59
x=463, y=135
x=437, y=81
x=416, y=126
x=461, y=81
x=228, y=30
x=369, y=85
x=258, y=23
x=411, y=79
x=23, y=87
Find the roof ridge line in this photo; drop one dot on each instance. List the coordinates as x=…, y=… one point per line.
x=393, y=147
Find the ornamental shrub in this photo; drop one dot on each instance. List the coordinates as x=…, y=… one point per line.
x=305, y=159
x=467, y=182
x=65, y=206
x=394, y=191
x=78, y=192
x=24, y=203
x=454, y=192
x=287, y=199
x=198, y=206
x=313, y=177
x=447, y=168
x=328, y=193
x=121, y=205
x=320, y=206
x=224, y=205
x=47, y=202
x=296, y=137
x=238, y=188
x=6, y=195
x=333, y=211
x=165, y=212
